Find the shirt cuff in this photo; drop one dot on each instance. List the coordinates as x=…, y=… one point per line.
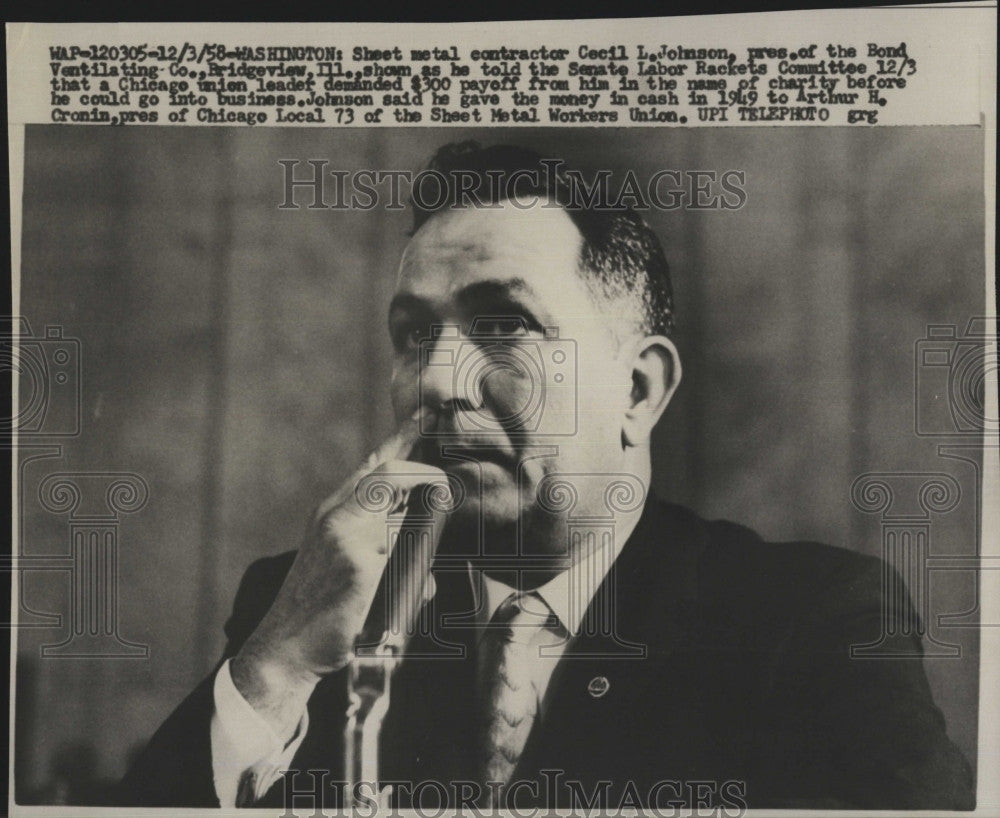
x=243, y=741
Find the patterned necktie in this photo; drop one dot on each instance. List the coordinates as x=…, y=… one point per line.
x=509, y=700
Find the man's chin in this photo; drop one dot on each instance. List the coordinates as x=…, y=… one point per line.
x=492, y=507
x=491, y=501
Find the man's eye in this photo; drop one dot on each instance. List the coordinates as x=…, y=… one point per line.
x=408, y=336
x=413, y=337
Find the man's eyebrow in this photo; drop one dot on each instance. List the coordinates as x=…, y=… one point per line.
x=487, y=297
x=508, y=295
x=408, y=302
x=503, y=287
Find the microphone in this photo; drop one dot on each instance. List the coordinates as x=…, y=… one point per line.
x=406, y=585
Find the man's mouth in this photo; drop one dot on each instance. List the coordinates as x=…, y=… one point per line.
x=451, y=454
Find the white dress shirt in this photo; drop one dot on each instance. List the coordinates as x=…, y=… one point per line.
x=242, y=741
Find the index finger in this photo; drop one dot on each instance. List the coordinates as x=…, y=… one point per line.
x=400, y=445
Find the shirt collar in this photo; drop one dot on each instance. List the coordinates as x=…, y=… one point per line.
x=567, y=595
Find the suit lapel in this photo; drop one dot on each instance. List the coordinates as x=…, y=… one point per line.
x=620, y=660
x=615, y=666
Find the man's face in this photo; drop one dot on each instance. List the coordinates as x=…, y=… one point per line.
x=540, y=392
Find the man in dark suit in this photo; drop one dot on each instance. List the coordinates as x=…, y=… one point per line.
x=581, y=642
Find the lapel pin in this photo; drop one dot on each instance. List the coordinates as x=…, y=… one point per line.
x=598, y=686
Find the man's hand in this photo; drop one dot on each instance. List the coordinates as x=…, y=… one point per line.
x=309, y=631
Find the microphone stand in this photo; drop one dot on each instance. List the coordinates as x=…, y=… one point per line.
x=406, y=585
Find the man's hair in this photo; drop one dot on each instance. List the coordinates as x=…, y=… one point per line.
x=621, y=258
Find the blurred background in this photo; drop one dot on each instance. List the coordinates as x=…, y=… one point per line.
x=233, y=355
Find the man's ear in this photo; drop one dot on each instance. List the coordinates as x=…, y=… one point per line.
x=656, y=372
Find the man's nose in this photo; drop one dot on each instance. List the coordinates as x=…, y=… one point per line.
x=446, y=376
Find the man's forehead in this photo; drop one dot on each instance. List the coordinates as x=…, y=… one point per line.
x=538, y=245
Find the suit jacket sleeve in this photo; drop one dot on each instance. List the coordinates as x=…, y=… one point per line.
x=883, y=739
x=175, y=768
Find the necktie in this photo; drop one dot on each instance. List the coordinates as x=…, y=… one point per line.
x=507, y=651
